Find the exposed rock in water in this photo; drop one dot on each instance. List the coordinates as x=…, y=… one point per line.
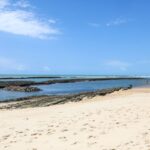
x=4, y=84
x=43, y=101
x=22, y=88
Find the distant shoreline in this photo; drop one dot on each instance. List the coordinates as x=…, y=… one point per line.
x=4, y=84
x=31, y=77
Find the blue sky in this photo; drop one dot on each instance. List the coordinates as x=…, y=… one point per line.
x=75, y=37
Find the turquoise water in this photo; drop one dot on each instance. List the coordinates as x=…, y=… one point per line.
x=72, y=88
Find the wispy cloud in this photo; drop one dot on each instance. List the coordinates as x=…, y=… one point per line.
x=16, y=18
x=22, y=3
x=117, y=22
x=3, y=3
x=94, y=24
x=118, y=64
x=124, y=66
x=114, y=22
x=146, y=62
x=46, y=68
x=11, y=65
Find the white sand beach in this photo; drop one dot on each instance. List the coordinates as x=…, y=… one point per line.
x=119, y=121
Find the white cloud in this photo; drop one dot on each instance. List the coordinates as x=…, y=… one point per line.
x=117, y=22
x=10, y=64
x=118, y=64
x=24, y=22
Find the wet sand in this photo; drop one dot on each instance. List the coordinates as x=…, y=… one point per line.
x=118, y=121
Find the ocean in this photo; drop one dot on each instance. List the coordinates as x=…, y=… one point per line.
x=67, y=88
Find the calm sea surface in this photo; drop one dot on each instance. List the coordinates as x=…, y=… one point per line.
x=69, y=88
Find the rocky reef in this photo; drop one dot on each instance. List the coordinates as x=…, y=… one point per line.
x=22, y=88
x=42, y=101
x=4, y=84
x=25, y=86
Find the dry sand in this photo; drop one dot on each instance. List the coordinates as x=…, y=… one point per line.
x=119, y=121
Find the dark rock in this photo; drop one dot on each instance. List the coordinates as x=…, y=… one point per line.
x=127, y=88
x=22, y=88
x=4, y=84
x=86, y=79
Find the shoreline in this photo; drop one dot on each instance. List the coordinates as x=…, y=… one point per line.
x=45, y=100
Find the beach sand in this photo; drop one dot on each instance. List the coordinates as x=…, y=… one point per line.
x=118, y=121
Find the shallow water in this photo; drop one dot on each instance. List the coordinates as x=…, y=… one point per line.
x=72, y=88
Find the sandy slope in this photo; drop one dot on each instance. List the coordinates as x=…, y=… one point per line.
x=120, y=121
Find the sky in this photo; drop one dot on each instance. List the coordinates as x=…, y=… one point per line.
x=88, y=37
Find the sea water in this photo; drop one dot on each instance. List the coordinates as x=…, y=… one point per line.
x=69, y=88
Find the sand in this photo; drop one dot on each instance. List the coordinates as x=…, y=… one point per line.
x=119, y=121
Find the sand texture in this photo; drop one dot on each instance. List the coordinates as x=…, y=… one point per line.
x=119, y=121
